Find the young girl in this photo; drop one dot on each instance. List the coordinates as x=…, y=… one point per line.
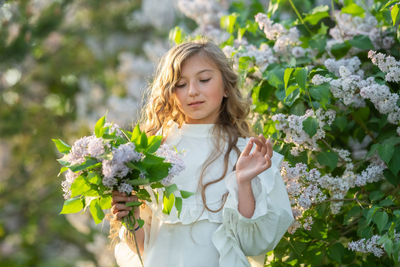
x=240, y=209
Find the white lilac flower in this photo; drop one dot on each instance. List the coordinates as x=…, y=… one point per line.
x=387, y=64
x=96, y=147
x=125, y=188
x=171, y=156
x=367, y=246
x=114, y=128
x=79, y=150
x=116, y=166
x=70, y=177
x=373, y=173
x=292, y=126
x=349, y=26
x=284, y=39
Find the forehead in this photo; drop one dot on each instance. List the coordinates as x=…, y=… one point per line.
x=197, y=63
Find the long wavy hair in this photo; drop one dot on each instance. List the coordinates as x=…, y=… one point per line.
x=160, y=107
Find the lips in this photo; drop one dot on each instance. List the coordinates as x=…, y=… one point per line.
x=195, y=103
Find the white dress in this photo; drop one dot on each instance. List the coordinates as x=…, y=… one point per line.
x=201, y=238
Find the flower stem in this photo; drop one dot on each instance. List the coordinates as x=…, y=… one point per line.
x=299, y=16
x=130, y=222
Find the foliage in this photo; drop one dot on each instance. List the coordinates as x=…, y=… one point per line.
x=332, y=105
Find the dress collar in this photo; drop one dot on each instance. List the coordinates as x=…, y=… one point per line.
x=194, y=130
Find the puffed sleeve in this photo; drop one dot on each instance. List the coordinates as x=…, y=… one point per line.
x=238, y=236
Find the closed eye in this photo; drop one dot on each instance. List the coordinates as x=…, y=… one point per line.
x=205, y=80
x=180, y=85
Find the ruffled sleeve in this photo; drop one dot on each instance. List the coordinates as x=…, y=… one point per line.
x=238, y=236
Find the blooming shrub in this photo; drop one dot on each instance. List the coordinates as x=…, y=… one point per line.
x=324, y=85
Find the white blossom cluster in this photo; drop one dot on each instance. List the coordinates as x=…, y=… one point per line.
x=207, y=14
x=83, y=147
x=285, y=40
x=116, y=166
x=303, y=192
x=171, y=156
x=367, y=246
x=204, y=12
x=387, y=64
x=348, y=26
x=292, y=126
x=384, y=101
x=263, y=55
x=70, y=177
x=307, y=187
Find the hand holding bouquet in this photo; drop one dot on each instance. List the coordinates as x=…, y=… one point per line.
x=117, y=160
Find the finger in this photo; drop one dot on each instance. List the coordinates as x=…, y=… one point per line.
x=259, y=144
x=121, y=214
x=268, y=161
x=248, y=147
x=269, y=148
x=117, y=193
x=121, y=207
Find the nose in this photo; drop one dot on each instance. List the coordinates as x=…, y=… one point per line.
x=193, y=90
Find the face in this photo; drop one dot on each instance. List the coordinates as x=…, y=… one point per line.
x=200, y=90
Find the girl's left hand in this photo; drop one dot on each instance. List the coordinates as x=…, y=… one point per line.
x=249, y=165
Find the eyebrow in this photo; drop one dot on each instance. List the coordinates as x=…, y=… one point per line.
x=201, y=71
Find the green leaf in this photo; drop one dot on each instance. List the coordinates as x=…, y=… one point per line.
x=228, y=22
x=321, y=93
x=94, y=178
x=133, y=204
x=99, y=126
x=105, y=202
x=154, y=143
x=62, y=170
x=136, y=133
x=157, y=185
x=362, y=41
x=186, y=194
x=301, y=77
x=176, y=35
x=394, y=13
x=329, y=159
x=310, y=126
x=168, y=203
x=170, y=189
x=135, y=182
x=341, y=122
x=286, y=76
x=142, y=194
x=387, y=202
x=62, y=147
x=340, y=50
x=88, y=163
x=96, y=211
x=393, y=179
x=79, y=186
x=143, y=140
x=353, y=9
x=385, y=152
x=376, y=195
x=317, y=14
x=140, y=222
x=394, y=164
x=380, y=219
x=178, y=205
x=72, y=205
x=336, y=252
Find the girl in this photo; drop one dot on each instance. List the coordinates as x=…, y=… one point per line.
x=240, y=209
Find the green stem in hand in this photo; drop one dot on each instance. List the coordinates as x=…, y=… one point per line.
x=130, y=222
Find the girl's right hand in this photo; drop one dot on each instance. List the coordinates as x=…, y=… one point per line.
x=118, y=207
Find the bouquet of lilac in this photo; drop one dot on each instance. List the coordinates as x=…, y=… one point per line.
x=115, y=159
